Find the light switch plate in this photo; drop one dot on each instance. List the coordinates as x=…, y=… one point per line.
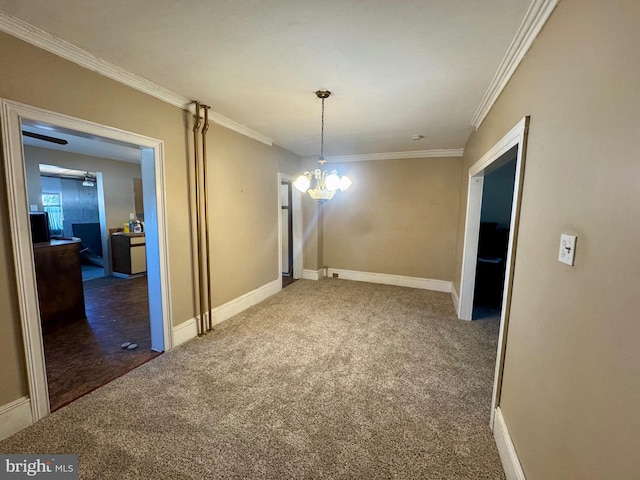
x=567, y=249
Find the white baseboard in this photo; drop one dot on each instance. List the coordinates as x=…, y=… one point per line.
x=510, y=462
x=184, y=332
x=15, y=416
x=189, y=328
x=388, y=279
x=313, y=274
x=456, y=299
x=233, y=307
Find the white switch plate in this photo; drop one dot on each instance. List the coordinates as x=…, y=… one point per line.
x=567, y=249
x=33, y=208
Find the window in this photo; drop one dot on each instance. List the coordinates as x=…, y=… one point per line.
x=53, y=206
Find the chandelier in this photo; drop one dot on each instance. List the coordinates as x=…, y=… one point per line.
x=322, y=184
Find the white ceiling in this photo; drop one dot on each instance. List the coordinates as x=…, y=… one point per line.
x=55, y=171
x=396, y=68
x=81, y=143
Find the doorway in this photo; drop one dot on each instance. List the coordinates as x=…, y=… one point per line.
x=513, y=143
x=14, y=116
x=286, y=233
x=83, y=338
x=493, y=238
x=289, y=231
x=70, y=197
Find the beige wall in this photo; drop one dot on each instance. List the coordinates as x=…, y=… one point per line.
x=117, y=178
x=312, y=245
x=243, y=212
x=398, y=217
x=13, y=383
x=243, y=191
x=571, y=388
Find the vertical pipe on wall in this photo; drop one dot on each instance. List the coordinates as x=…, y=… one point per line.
x=196, y=128
x=205, y=128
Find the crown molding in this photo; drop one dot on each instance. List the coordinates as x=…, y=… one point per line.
x=38, y=37
x=451, y=152
x=536, y=17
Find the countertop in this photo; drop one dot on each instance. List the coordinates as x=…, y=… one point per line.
x=129, y=234
x=57, y=242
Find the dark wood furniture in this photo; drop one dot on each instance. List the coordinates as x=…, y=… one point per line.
x=128, y=254
x=59, y=280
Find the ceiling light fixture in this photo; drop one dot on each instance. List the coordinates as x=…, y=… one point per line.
x=88, y=181
x=321, y=184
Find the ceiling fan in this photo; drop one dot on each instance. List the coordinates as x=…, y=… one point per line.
x=45, y=138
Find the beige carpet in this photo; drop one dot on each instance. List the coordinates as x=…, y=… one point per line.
x=330, y=379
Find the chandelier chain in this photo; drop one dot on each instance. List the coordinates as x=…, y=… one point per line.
x=322, y=133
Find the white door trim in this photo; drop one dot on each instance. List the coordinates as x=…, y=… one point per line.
x=12, y=114
x=470, y=252
x=157, y=248
x=296, y=205
x=517, y=136
x=104, y=231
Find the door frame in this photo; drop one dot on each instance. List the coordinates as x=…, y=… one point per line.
x=296, y=215
x=517, y=136
x=152, y=156
x=104, y=231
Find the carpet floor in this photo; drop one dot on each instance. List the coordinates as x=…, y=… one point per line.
x=329, y=379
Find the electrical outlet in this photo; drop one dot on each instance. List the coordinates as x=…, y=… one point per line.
x=567, y=249
x=335, y=275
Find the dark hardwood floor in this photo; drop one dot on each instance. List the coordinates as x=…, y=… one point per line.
x=85, y=355
x=287, y=280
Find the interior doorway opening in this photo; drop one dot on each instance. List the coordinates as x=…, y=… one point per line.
x=493, y=236
x=86, y=323
x=286, y=233
x=514, y=142
x=16, y=117
x=70, y=197
x=289, y=231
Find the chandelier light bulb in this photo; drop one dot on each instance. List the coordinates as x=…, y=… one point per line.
x=345, y=182
x=332, y=182
x=302, y=183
